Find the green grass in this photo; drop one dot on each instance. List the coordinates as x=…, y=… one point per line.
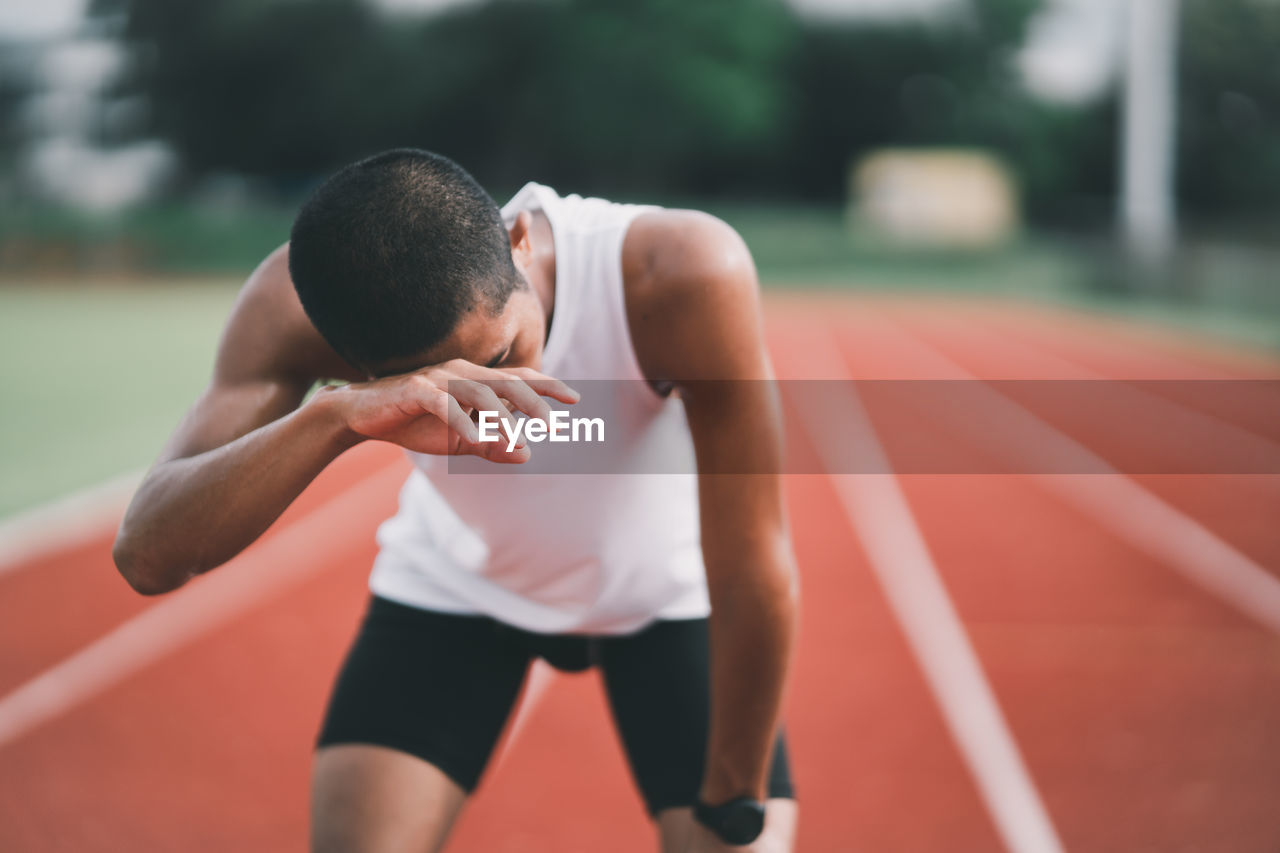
x=162, y=238
x=94, y=378
x=1231, y=295
x=793, y=246
x=814, y=247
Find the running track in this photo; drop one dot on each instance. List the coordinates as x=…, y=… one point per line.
x=988, y=663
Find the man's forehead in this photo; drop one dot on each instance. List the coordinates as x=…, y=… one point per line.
x=478, y=336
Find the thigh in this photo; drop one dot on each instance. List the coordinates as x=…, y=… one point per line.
x=658, y=686
x=417, y=708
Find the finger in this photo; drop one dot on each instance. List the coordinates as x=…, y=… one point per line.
x=539, y=382
x=481, y=396
x=446, y=408
x=496, y=451
x=518, y=394
x=545, y=385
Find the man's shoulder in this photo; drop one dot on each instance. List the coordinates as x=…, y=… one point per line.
x=674, y=257
x=683, y=271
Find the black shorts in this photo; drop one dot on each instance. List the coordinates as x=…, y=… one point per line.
x=441, y=686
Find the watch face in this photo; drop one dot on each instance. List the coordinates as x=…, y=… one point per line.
x=742, y=823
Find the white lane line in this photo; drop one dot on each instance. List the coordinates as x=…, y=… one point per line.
x=1063, y=367
x=269, y=568
x=1119, y=504
x=878, y=510
x=66, y=522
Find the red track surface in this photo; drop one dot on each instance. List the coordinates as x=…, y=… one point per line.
x=1147, y=711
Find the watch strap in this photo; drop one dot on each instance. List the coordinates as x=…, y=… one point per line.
x=737, y=821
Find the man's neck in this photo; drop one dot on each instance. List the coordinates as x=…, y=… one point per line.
x=543, y=281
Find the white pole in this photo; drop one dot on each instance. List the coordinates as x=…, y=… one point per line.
x=1147, y=197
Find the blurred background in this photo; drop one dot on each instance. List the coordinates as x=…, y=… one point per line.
x=151, y=153
x=1002, y=189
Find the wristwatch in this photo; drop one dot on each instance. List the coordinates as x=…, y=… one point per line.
x=739, y=821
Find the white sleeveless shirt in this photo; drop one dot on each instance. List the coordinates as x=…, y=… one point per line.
x=560, y=553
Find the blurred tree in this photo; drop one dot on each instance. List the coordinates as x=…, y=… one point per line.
x=273, y=88
x=637, y=96
x=16, y=86
x=13, y=90
x=676, y=95
x=1229, y=107
x=643, y=98
x=947, y=82
x=622, y=96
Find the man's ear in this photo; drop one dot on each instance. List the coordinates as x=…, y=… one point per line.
x=521, y=244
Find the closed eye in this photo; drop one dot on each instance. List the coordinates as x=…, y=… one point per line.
x=494, y=362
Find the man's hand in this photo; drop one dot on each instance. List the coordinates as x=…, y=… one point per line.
x=430, y=410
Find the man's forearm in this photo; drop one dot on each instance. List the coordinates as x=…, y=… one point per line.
x=753, y=621
x=193, y=514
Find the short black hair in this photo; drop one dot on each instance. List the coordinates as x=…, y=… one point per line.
x=390, y=252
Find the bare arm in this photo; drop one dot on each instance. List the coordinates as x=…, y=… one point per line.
x=195, y=512
x=249, y=445
x=243, y=452
x=702, y=285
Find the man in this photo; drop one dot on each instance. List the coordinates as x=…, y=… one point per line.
x=403, y=278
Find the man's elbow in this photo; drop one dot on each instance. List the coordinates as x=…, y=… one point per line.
x=767, y=569
x=783, y=576
x=145, y=575
x=787, y=576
